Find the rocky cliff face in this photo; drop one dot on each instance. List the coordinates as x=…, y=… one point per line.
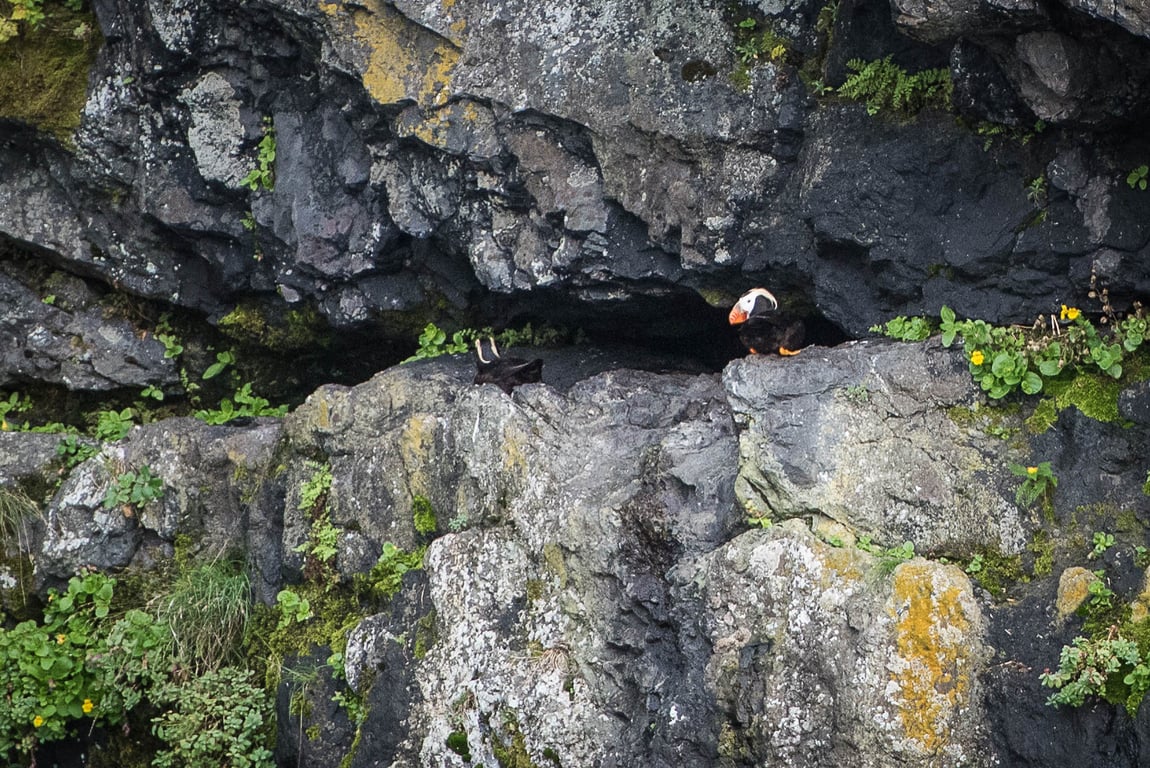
x=593, y=594
x=575, y=161
x=701, y=563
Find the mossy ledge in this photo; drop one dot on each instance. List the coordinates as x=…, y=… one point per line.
x=44, y=71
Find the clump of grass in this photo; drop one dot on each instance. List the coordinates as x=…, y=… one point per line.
x=16, y=510
x=206, y=610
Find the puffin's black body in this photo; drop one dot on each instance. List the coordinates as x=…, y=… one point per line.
x=761, y=329
x=506, y=373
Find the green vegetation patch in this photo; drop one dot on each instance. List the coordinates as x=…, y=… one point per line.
x=995, y=572
x=886, y=87
x=255, y=322
x=46, y=52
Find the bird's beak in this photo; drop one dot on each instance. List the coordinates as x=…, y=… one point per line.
x=737, y=316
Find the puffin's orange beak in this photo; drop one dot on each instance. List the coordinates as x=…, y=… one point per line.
x=737, y=316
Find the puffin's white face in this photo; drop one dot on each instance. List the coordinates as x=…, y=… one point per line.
x=746, y=304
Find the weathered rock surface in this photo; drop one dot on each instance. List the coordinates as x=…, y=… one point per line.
x=593, y=592
x=851, y=434
x=429, y=159
x=594, y=595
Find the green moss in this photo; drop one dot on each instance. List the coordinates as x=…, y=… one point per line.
x=423, y=516
x=255, y=322
x=534, y=589
x=44, y=71
x=1127, y=521
x=1044, y=415
x=1094, y=394
x=1042, y=547
x=512, y=753
x=426, y=634
x=1001, y=421
x=350, y=756
x=997, y=572
x=335, y=612
x=457, y=742
x=553, y=558
x=732, y=748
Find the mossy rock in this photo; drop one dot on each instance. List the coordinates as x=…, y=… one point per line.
x=274, y=327
x=44, y=71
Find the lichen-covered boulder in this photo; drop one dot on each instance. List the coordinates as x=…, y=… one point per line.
x=867, y=434
x=786, y=614
x=214, y=487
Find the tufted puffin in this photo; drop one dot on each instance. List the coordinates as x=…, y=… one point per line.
x=505, y=373
x=760, y=329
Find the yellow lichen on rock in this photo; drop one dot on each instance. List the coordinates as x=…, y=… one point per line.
x=415, y=447
x=433, y=127
x=935, y=620
x=1140, y=606
x=399, y=59
x=1073, y=589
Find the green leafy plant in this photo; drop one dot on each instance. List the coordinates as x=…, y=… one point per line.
x=386, y=576
x=1007, y=359
x=755, y=43
x=153, y=392
x=113, y=425
x=1101, y=595
x=172, y=346
x=1102, y=542
x=1037, y=481
x=975, y=565
x=1137, y=179
x=73, y=452
x=322, y=544
x=223, y=360
x=243, y=404
x=1020, y=135
x=218, y=719
x=31, y=12
x=905, y=328
x=856, y=393
x=293, y=608
x=134, y=489
x=15, y=403
x=890, y=558
x=78, y=665
x=263, y=175
x=885, y=86
x=1141, y=556
x=760, y=521
x=1111, y=667
x=1036, y=190
x=434, y=342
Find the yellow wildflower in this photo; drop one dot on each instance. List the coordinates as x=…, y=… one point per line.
x=1070, y=313
x=87, y=706
x=977, y=357
x=37, y=721
x=1032, y=471
x=60, y=639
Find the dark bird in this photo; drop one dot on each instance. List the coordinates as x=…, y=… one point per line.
x=506, y=373
x=761, y=329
